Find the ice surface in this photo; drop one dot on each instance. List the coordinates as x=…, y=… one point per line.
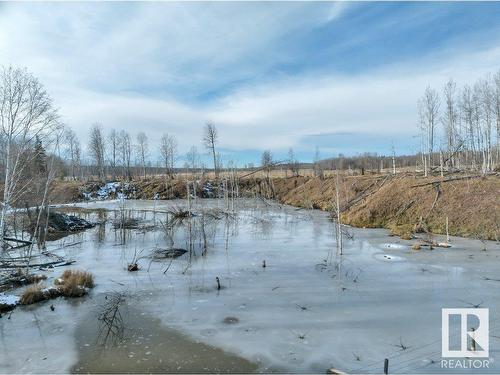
x=309, y=309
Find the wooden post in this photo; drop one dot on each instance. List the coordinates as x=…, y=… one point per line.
x=386, y=366
x=188, y=197
x=447, y=231
x=441, y=163
x=339, y=225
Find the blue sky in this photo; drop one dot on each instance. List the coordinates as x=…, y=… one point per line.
x=341, y=76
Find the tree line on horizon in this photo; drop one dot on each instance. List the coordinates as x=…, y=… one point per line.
x=460, y=127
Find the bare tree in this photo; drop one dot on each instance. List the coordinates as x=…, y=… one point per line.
x=292, y=161
x=73, y=152
x=125, y=152
x=96, y=149
x=113, y=151
x=496, y=79
x=450, y=118
x=487, y=103
x=467, y=118
x=168, y=150
x=192, y=159
x=266, y=161
x=26, y=114
x=393, y=152
x=142, y=150
x=210, y=140
x=429, y=111
x=318, y=168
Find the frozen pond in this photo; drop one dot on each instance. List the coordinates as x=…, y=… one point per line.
x=308, y=310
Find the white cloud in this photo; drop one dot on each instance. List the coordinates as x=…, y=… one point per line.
x=128, y=65
x=278, y=115
x=142, y=45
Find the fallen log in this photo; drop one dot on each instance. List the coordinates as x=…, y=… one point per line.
x=41, y=265
x=23, y=243
x=437, y=182
x=11, y=239
x=18, y=279
x=364, y=194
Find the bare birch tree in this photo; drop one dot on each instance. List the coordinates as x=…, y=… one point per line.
x=168, y=150
x=113, y=151
x=73, y=153
x=468, y=128
x=487, y=103
x=125, y=152
x=318, y=169
x=471, y=124
x=26, y=114
x=193, y=159
x=142, y=151
x=450, y=118
x=429, y=111
x=496, y=79
x=210, y=139
x=96, y=149
x=266, y=161
x=292, y=161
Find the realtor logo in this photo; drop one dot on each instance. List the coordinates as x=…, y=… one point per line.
x=471, y=334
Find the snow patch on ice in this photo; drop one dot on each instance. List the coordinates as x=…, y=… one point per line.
x=8, y=299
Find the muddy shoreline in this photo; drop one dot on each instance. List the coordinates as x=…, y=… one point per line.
x=140, y=343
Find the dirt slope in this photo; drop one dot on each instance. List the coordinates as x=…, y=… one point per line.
x=471, y=205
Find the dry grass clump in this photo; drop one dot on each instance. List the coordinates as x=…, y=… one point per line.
x=78, y=277
x=33, y=294
x=74, y=283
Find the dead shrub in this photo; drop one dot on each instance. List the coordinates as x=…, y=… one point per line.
x=32, y=294
x=127, y=223
x=179, y=213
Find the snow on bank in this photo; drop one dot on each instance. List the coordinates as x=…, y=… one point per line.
x=109, y=188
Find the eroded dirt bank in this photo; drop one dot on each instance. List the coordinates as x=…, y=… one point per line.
x=405, y=204
x=402, y=203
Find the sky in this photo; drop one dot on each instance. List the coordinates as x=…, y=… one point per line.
x=341, y=76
